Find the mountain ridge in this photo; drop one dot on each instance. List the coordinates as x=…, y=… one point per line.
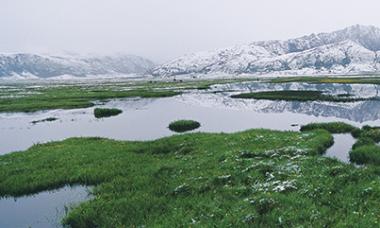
x=355, y=49
x=47, y=66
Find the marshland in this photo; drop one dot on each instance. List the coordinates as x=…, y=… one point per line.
x=235, y=161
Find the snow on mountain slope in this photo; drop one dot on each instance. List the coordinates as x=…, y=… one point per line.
x=346, y=54
x=47, y=66
x=355, y=49
x=230, y=60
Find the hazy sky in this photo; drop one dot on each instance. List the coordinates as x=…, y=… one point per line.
x=163, y=29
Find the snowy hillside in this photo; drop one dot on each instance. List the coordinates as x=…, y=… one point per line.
x=355, y=49
x=47, y=66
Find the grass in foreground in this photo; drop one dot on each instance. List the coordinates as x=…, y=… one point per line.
x=106, y=112
x=256, y=178
x=184, y=125
x=296, y=95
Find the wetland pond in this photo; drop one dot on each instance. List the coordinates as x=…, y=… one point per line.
x=42, y=210
x=147, y=119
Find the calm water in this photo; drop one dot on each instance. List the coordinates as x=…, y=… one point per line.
x=43, y=210
x=342, y=145
x=147, y=119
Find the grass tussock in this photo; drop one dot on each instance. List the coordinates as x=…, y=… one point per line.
x=366, y=154
x=184, y=125
x=366, y=149
x=296, y=95
x=106, y=112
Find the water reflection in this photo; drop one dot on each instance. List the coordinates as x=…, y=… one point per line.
x=146, y=119
x=360, y=112
x=362, y=90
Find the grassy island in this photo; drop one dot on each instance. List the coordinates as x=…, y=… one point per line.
x=106, y=112
x=332, y=127
x=297, y=95
x=184, y=125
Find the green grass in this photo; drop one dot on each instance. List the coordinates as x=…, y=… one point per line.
x=371, y=133
x=366, y=150
x=70, y=97
x=249, y=178
x=332, y=127
x=363, y=141
x=106, y=112
x=184, y=125
x=366, y=154
x=22, y=97
x=296, y=95
x=256, y=178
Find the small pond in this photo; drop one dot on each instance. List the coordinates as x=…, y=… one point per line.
x=42, y=210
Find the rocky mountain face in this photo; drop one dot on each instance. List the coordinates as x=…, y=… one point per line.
x=47, y=66
x=353, y=50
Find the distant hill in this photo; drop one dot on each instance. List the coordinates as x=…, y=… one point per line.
x=47, y=66
x=352, y=50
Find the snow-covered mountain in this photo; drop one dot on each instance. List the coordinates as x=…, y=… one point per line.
x=46, y=66
x=353, y=50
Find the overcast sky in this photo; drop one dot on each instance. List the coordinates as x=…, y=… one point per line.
x=164, y=29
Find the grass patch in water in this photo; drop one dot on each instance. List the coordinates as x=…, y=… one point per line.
x=332, y=127
x=296, y=95
x=106, y=112
x=184, y=125
x=49, y=119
